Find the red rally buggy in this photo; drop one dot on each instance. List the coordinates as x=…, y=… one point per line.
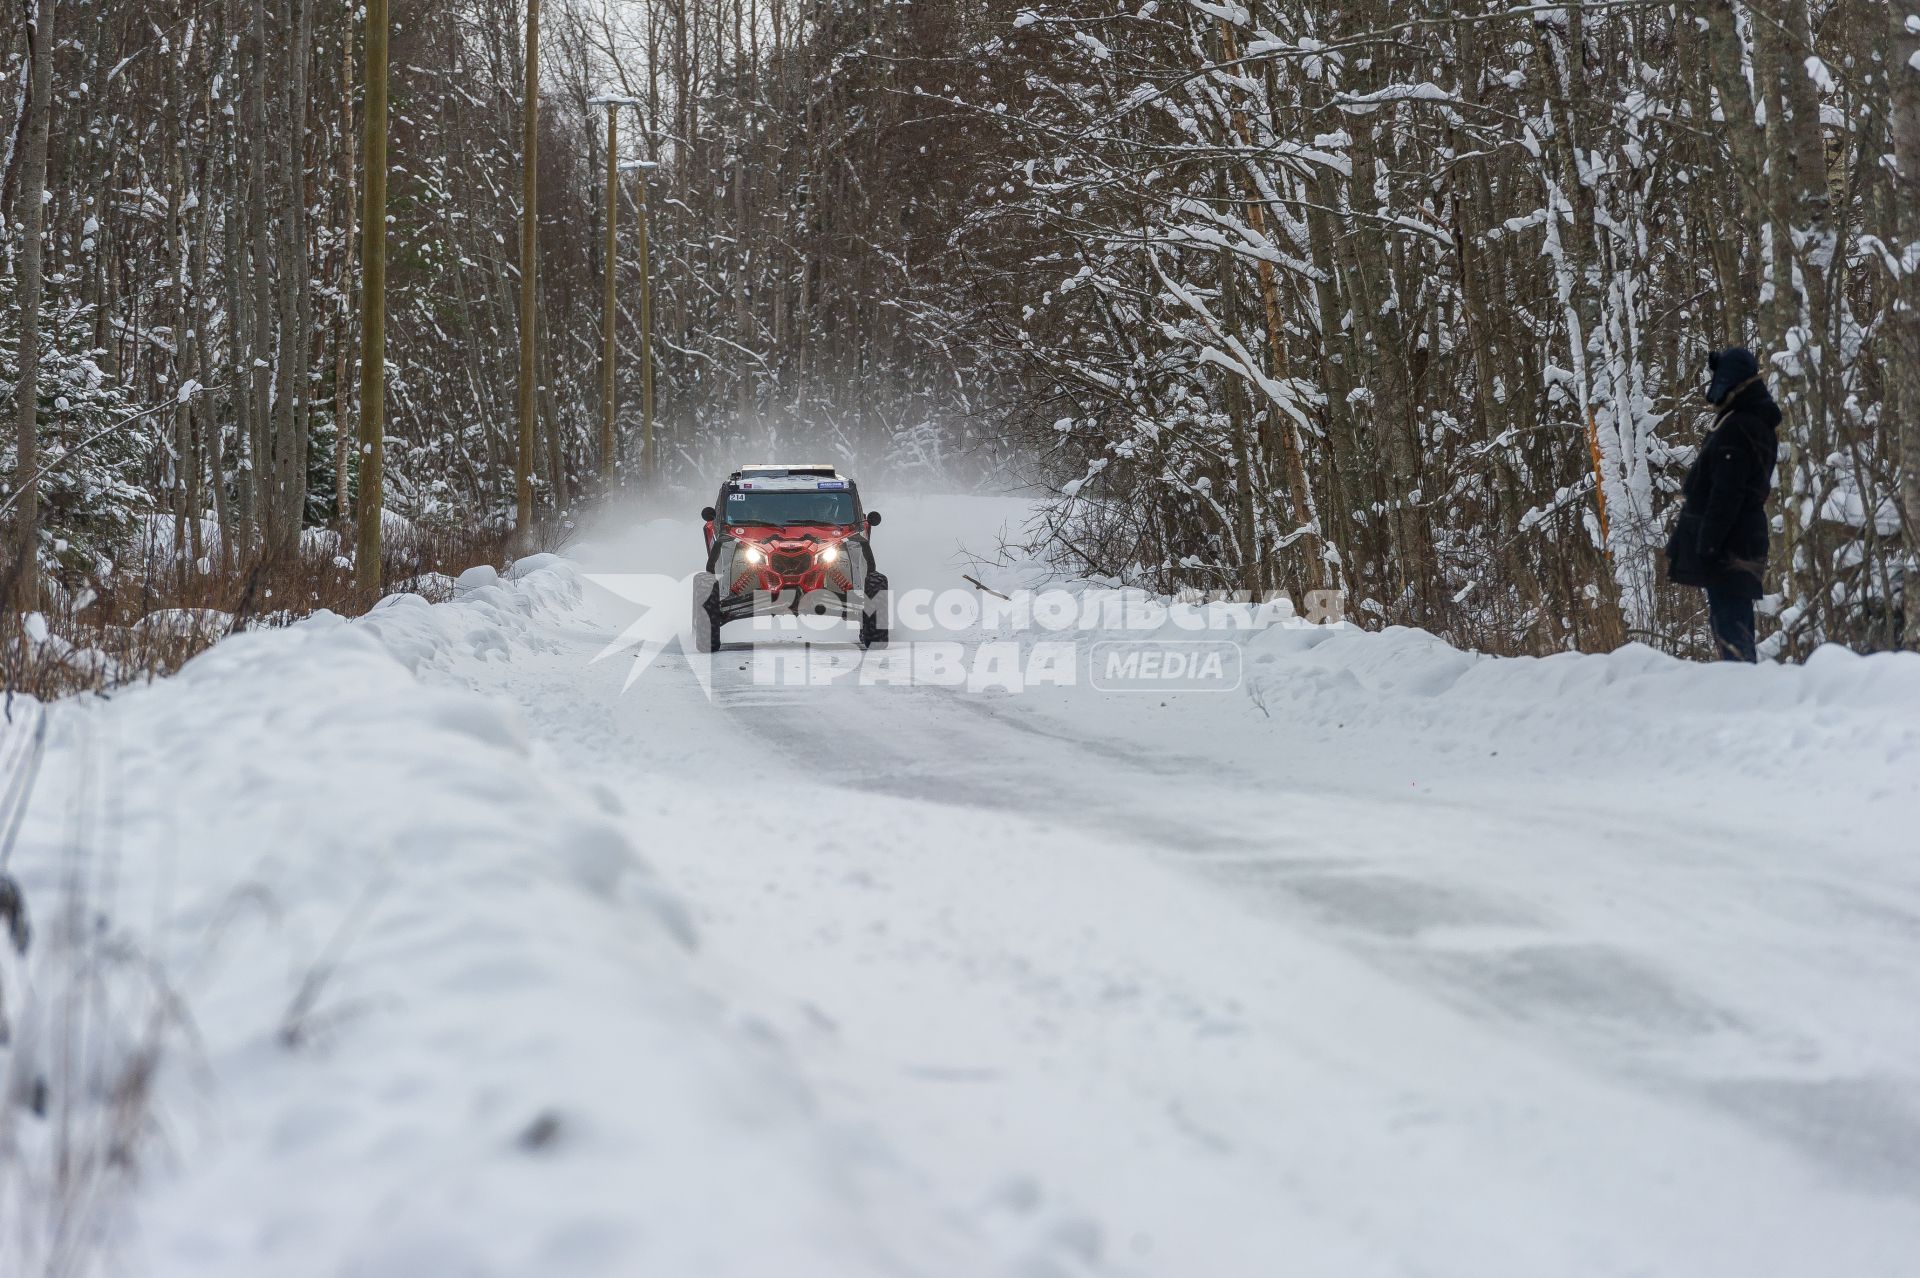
x=788, y=539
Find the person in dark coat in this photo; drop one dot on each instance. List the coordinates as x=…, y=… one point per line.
x=1719, y=543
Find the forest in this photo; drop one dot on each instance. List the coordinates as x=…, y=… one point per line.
x=1403, y=300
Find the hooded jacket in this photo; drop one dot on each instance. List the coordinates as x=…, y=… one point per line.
x=1719, y=541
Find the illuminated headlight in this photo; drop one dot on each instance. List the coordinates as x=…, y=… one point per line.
x=752, y=553
x=829, y=554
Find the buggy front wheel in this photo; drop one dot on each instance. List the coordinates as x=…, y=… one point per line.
x=706, y=612
x=873, y=617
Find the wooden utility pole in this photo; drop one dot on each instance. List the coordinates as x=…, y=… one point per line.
x=647, y=473
x=529, y=248
x=609, y=352
x=373, y=311
x=607, y=325
x=33, y=183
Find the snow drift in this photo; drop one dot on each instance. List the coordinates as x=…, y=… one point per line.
x=435, y=1012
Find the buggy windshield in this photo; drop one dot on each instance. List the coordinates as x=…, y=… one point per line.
x=778, y=510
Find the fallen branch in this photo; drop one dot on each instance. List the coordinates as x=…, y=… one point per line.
x=977, y=583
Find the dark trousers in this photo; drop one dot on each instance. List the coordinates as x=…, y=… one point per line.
x=1732, y=620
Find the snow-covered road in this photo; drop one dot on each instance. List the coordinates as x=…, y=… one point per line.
x=1424, y=965
x=1223, y=990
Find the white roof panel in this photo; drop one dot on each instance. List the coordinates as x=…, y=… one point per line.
x=788, y=483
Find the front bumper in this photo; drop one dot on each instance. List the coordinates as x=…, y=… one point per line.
x=794, y=600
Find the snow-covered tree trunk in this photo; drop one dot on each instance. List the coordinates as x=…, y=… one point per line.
x=264, y=494
x=295, y=395
x=346, y=179
x=1383, y=351
x=33, y=191
x=1904, y=74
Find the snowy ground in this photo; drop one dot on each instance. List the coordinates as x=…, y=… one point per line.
x=1413, y=963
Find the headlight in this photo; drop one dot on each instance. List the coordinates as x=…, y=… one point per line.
x=829, y=553
x=752, y=552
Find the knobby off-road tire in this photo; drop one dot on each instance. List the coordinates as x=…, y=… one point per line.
x=873, y=620
x=706, y=612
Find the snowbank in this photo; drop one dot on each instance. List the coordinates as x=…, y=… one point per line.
x=435, y=1014
x=205, y=624
x=1633, y=708
x=154, y=547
